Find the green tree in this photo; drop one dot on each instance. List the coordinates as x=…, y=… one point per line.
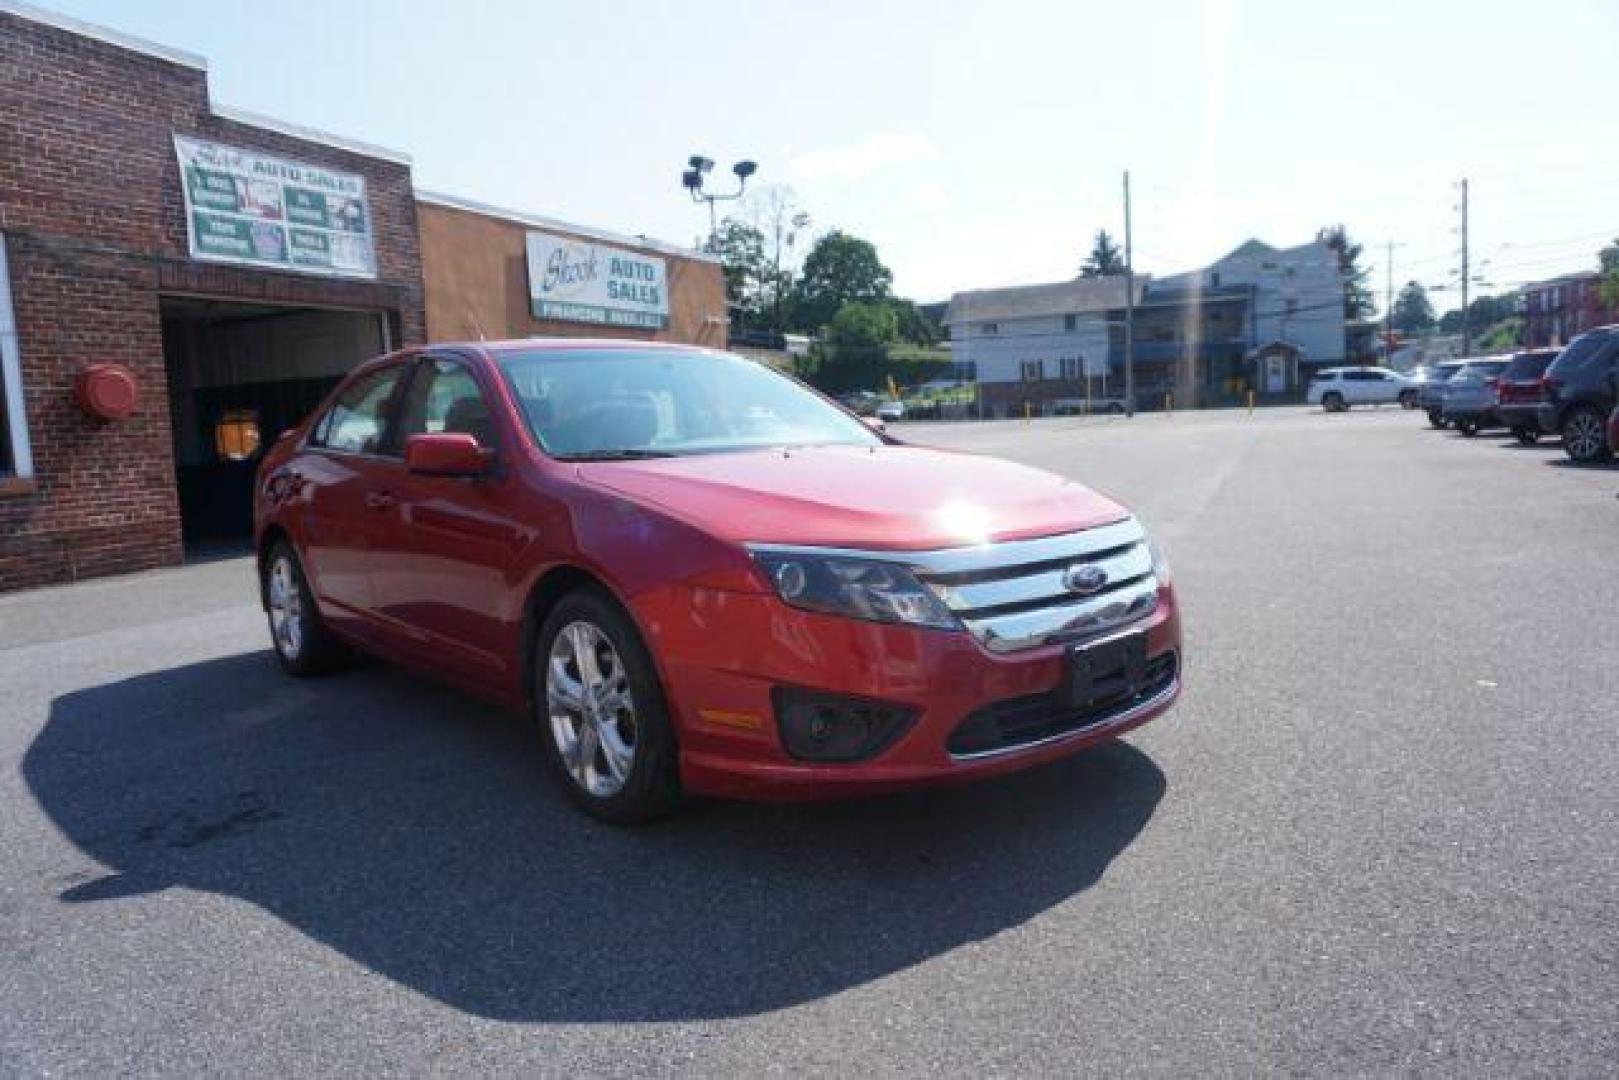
x=838, y=269
x=1412, y=310
x=741, y=252
x=863, y=325
x=775, y=212
x=914, y=324
x=1357, y=297
x=1608, y=264
x=1106, y=257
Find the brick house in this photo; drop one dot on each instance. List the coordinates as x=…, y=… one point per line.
x=234, y=267
x=1557, y=311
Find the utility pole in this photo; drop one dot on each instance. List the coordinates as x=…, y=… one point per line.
x=1129, y=310
x=1388, y=309
x=1467, y=329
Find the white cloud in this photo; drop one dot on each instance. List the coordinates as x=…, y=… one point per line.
x=858, y=160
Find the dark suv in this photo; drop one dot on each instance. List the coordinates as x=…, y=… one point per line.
x=1520, y=392
x=1582, y=386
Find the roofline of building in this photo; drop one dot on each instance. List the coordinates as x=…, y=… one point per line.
x=307, y=134
x=538, y=221
x=104, y=34
x=1576, y=275
x=180, y=57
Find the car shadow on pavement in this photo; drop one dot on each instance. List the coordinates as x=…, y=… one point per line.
x=416, y=832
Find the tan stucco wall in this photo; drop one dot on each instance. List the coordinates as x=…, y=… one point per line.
x=476, y=280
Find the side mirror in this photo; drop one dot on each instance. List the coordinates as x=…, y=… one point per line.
x=446, y=453
x=875, y=423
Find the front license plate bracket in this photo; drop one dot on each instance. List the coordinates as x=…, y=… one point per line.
x=1106, y=671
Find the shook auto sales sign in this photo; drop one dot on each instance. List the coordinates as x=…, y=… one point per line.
x=256, y=210
x=579, y=282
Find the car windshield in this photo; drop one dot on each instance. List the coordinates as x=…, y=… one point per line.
x=634, y=403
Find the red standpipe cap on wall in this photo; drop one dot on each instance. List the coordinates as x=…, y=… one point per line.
x=106, y=391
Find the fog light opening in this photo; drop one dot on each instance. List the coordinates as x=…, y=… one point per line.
x=832, y=728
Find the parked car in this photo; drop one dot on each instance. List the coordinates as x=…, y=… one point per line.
x=1467, y=400
x=1336, y=389
x=891, y=411
x=1430, y=386
x=696, y=575
x=1581, y=391
x=1520, y=391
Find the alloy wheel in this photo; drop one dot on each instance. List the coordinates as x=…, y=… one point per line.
x=286, y=608
x=1583, y=437
x=591, y=709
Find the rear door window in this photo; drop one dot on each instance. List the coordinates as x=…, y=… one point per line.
x=358, y=420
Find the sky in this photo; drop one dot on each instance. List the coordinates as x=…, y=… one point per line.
x=976, y=144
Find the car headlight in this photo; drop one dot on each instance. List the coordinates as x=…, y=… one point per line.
x=857, y=588
x=1160, y=565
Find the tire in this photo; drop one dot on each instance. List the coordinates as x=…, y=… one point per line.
x=1408, y=399
x=1526, y=436
x=605, y=733
x=1585, y=436
x=1467, y=426
x=1437, y=419
x=1334, y=402
x=302, y=642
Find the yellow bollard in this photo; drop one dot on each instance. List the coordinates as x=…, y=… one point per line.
x=1026, y=412
x=1169, y=405
x=1250, y=403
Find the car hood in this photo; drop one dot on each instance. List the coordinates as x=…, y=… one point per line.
x=889, y=497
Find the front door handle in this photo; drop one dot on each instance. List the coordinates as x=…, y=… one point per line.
x=379, y=500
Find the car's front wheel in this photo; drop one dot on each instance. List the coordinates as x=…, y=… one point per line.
x=303, y=644
x=602, y=717
x=1408, y=399
x=1467, y=426
x=1585, y=439
x=1436, y=419
x=1334, y=402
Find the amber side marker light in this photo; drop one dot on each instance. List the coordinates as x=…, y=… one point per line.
x=740, y=720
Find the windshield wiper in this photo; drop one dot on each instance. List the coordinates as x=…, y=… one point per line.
x=616, y=455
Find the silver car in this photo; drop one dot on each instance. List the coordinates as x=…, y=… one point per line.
x=1467, y=398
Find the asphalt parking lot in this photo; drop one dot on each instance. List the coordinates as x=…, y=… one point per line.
x=1379, y=834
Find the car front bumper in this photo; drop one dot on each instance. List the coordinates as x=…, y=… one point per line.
x=722, y=653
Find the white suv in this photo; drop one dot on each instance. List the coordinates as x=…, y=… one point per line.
x=1335, y=389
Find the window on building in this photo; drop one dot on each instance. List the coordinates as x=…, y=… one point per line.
x=14, y=454
x=989, y=328
x=1214, y=279
x=358, y=422
x=1292, y=304
x=1033, y=370
x=1070, y=322
x=1073, y=367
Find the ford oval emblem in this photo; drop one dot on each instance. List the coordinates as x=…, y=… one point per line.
x=1085, y=579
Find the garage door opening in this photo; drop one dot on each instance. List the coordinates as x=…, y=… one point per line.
x=239, y=375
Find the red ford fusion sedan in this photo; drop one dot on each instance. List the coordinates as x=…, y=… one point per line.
x=698, y=576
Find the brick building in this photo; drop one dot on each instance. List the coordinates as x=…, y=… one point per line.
x=1557, y=311
x=233, y=267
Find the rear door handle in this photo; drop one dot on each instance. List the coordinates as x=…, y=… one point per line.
x=379, y=500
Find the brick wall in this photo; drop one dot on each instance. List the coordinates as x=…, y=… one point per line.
x=94, y=220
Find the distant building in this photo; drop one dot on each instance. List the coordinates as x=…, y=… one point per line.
x=1556, y=311
x=1037, y=345
x=1259, y=318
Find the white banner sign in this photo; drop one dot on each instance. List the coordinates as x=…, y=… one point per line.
x=258, y=210
x=576, y=281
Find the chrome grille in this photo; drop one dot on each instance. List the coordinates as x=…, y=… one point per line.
x=1014, y=595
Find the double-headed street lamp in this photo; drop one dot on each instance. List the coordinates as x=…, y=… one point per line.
x=698, y=167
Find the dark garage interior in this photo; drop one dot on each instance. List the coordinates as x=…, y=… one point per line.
x=239, y=375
